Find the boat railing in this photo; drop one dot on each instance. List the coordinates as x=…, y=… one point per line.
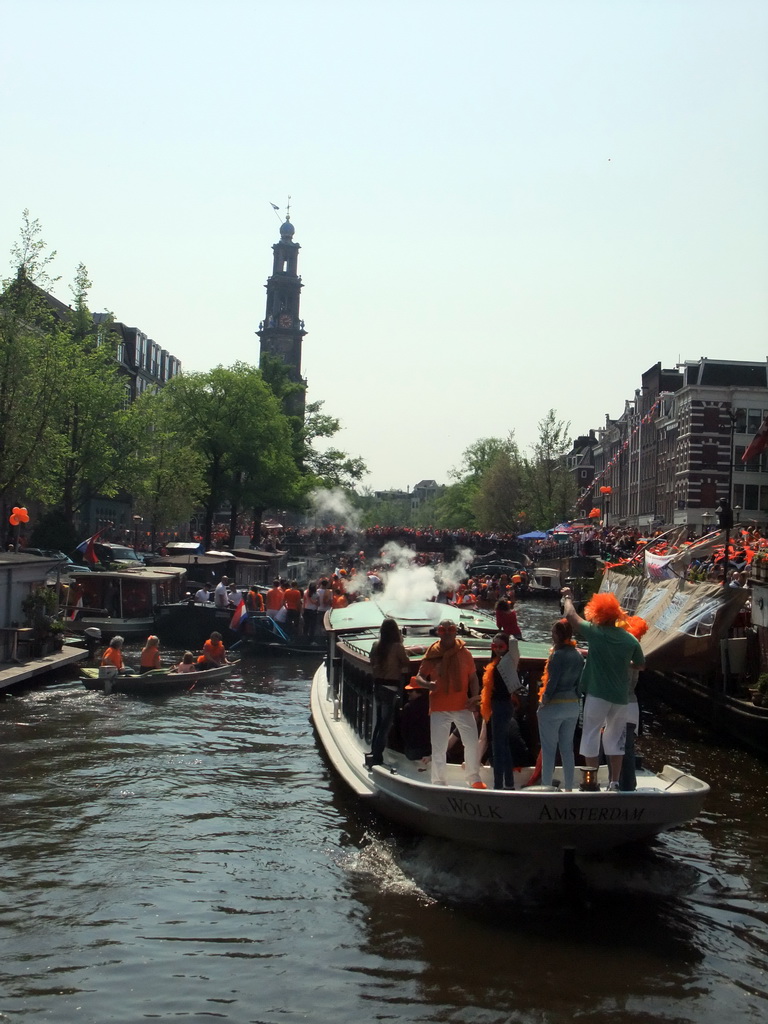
x=355, y=698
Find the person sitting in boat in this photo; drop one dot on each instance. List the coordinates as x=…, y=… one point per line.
x=448, y=672
x=506, y=618
x=150, y=655
x=558, y=711
x=203, y=595
x=187, y=663
x=389, y=662
x=114, y=656
x=214, y=653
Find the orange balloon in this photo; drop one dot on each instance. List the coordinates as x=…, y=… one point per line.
x=14, y=520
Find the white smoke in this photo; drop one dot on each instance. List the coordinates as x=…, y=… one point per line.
x=450, y=574
x=406, y=582
x=332, y=507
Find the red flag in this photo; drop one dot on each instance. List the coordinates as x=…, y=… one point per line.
x=758, y=442
x=88, y=549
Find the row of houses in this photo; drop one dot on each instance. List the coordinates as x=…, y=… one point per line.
x=674, y=455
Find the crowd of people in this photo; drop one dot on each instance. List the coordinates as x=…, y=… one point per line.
x=445, y=712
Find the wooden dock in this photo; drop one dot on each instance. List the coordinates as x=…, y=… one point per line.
x=12, y=673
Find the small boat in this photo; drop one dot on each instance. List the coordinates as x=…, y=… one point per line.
x=544, y=582
x=157, y=683
x=519, y=821
x=123, y=602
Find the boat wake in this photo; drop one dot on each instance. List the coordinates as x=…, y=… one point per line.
x=437, y=871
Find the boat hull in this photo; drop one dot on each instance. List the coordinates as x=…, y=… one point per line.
x=519, y=821
x=742, y=721
x=154, y=684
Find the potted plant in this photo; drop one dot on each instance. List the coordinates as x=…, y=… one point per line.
x=56, y=630
x=760, y=692
x=759, y=566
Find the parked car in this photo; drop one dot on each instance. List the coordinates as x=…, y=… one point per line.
x=110, y=553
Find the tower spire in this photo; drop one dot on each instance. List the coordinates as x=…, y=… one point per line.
x=281, y=332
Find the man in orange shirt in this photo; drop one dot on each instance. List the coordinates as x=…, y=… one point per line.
x=293, y=605
x=214, y=652
x=448, y=672
x=275, y=599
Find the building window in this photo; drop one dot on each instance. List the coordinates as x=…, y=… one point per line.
x=751, y=497
x=709, y=453
x=754, y=419
x=711, y=419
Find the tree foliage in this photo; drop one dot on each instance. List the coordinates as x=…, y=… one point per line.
x=321, y=464
x=231, y=417
x=30, y=378
x=550, y=488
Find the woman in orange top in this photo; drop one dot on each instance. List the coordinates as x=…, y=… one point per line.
x=150, y=655
x=113, y=654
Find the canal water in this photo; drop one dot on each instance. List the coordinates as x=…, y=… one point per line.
x=194, y=859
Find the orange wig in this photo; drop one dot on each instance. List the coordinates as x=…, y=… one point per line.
x=603, y=610
x=635, y=625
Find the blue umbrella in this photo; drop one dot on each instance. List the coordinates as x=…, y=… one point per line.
x=533, y=535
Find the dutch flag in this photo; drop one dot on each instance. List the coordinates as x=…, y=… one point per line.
x=240, y=615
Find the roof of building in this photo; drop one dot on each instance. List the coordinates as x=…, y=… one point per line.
x=726, y=373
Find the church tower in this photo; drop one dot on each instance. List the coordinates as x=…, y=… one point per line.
x=282, y=330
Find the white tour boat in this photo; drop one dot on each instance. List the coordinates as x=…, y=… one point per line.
x=528, y=818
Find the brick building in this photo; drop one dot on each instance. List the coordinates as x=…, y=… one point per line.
x=675, y=451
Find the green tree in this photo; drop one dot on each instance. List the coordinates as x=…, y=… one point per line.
x=30, y=378
x=234, y=421
x=328, y=467
x=498, y=502
x=325, y=466
x=457, y=507
x=168, y=482
x=95, y=436
x=550, y=488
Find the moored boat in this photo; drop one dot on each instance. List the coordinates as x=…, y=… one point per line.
x=156, y=683
x=544, y=582
x=522, y=820
x=123, y=601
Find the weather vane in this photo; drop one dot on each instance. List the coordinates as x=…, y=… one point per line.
x=287, y=210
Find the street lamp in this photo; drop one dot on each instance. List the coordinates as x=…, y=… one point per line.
x=706, y=516
x=137, y=521
x=725, y=521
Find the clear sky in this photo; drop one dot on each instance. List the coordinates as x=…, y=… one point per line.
x=504, y=206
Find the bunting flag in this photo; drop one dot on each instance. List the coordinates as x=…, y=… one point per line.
x=241, y=614
x=758, y=443
x=644, y=421
x=658, y=567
